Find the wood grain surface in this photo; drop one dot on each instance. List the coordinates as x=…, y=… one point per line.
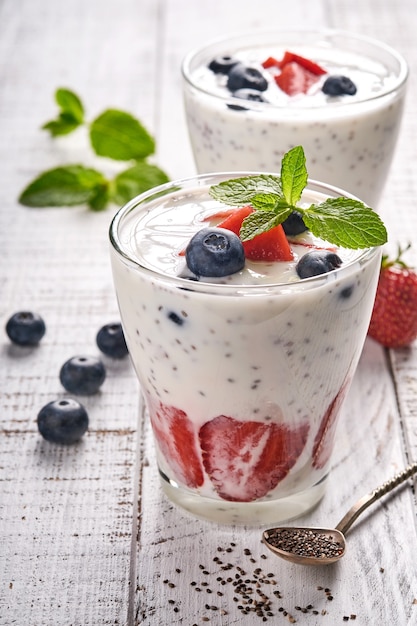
x=86, y=536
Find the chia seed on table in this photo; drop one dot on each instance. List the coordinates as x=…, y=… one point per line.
x=305, y=543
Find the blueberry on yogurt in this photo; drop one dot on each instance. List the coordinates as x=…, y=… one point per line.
x=338, y=86
x=294, y=224
x=82, y=375
x=317, y=262
x=251, y=95
x=245, y=77
x=25, y=328
x=222, y=64
x=215, y=252
x=63, y=421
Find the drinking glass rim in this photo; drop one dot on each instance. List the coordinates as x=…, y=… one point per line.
x=205, y=180
x=260, y=37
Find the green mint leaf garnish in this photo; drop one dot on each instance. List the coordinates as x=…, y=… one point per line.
x=345, y=222
x=71, y=114
x=239, y=191
x=63, y=186
x=293, y=175
x=340, y=221
x=136, y=180
x=118, y=135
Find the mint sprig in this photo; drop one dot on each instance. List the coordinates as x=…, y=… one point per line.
x=341, y=221
x=113, y=134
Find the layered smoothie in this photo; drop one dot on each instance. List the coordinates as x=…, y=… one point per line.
x=243, y=375
x=349, y=135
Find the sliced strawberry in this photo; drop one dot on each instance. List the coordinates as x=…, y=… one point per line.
x=295, y=79
x=245, y=460
x=176, y=439
x=235, y=218
x=323, y=443
x=270, y=246
x=271, y=62
x=311, y=66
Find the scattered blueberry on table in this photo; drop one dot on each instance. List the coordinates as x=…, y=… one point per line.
x=82, y=375
x=111, y=341
x=25, y=328
x=63, y=421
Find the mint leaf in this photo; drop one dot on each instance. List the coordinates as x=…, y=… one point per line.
x=101, y=197
x=135, y=180
x=118, y=135
x=345, y=222
x=260, y=222
x=238, y=191
x=63, y=186
x=71, y=115
x=63, y=125
x=70, y=103
x=293, y=175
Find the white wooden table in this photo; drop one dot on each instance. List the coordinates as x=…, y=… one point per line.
x=86, y=536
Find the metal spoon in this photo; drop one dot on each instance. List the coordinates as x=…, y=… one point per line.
x=322, y=546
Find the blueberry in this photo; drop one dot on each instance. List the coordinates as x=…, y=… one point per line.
x=63, y=421
x=82, y=375
x=177, y=319
x=25, y=328
x=222, y=64
x=338, y=86
x=244, y=77
x=317, y=262
x=215, y=252
x=111, y=341
x=249, y=94
x=294, y=224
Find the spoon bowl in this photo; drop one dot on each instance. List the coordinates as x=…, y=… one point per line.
x=323, y=546
x=306, y=546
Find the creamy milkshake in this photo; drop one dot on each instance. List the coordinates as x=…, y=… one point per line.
x=244, y=375
x=349, y=133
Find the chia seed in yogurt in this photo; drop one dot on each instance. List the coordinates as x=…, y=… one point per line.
x=244, y=376
x=348, y=131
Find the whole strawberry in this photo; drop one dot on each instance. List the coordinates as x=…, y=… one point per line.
x=394, y=317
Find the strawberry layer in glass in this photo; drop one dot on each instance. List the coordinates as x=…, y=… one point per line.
x=243, y=376
x=349, y=140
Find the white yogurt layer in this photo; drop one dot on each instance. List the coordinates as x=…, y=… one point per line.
x=279, y=355
x=349, y=141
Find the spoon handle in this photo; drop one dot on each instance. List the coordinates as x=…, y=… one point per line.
x=359, y=507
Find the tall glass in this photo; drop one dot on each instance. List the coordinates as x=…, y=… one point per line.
x=349, y=140
x=243, y=382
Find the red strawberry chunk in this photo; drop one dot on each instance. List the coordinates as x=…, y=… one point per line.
x=311, y=66
x=246, y=460
x=295, y=79
x=270, y=246
x=176, y=439
x=323, y=443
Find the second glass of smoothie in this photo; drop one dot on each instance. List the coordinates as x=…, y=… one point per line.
x=349, y=138
x=243, y=376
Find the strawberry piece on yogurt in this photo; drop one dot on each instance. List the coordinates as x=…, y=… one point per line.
x=246, y=460
x=295, y=79
x=270, y=246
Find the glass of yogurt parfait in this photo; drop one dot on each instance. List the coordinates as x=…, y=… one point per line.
x=250, y=98
x=243, y=373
